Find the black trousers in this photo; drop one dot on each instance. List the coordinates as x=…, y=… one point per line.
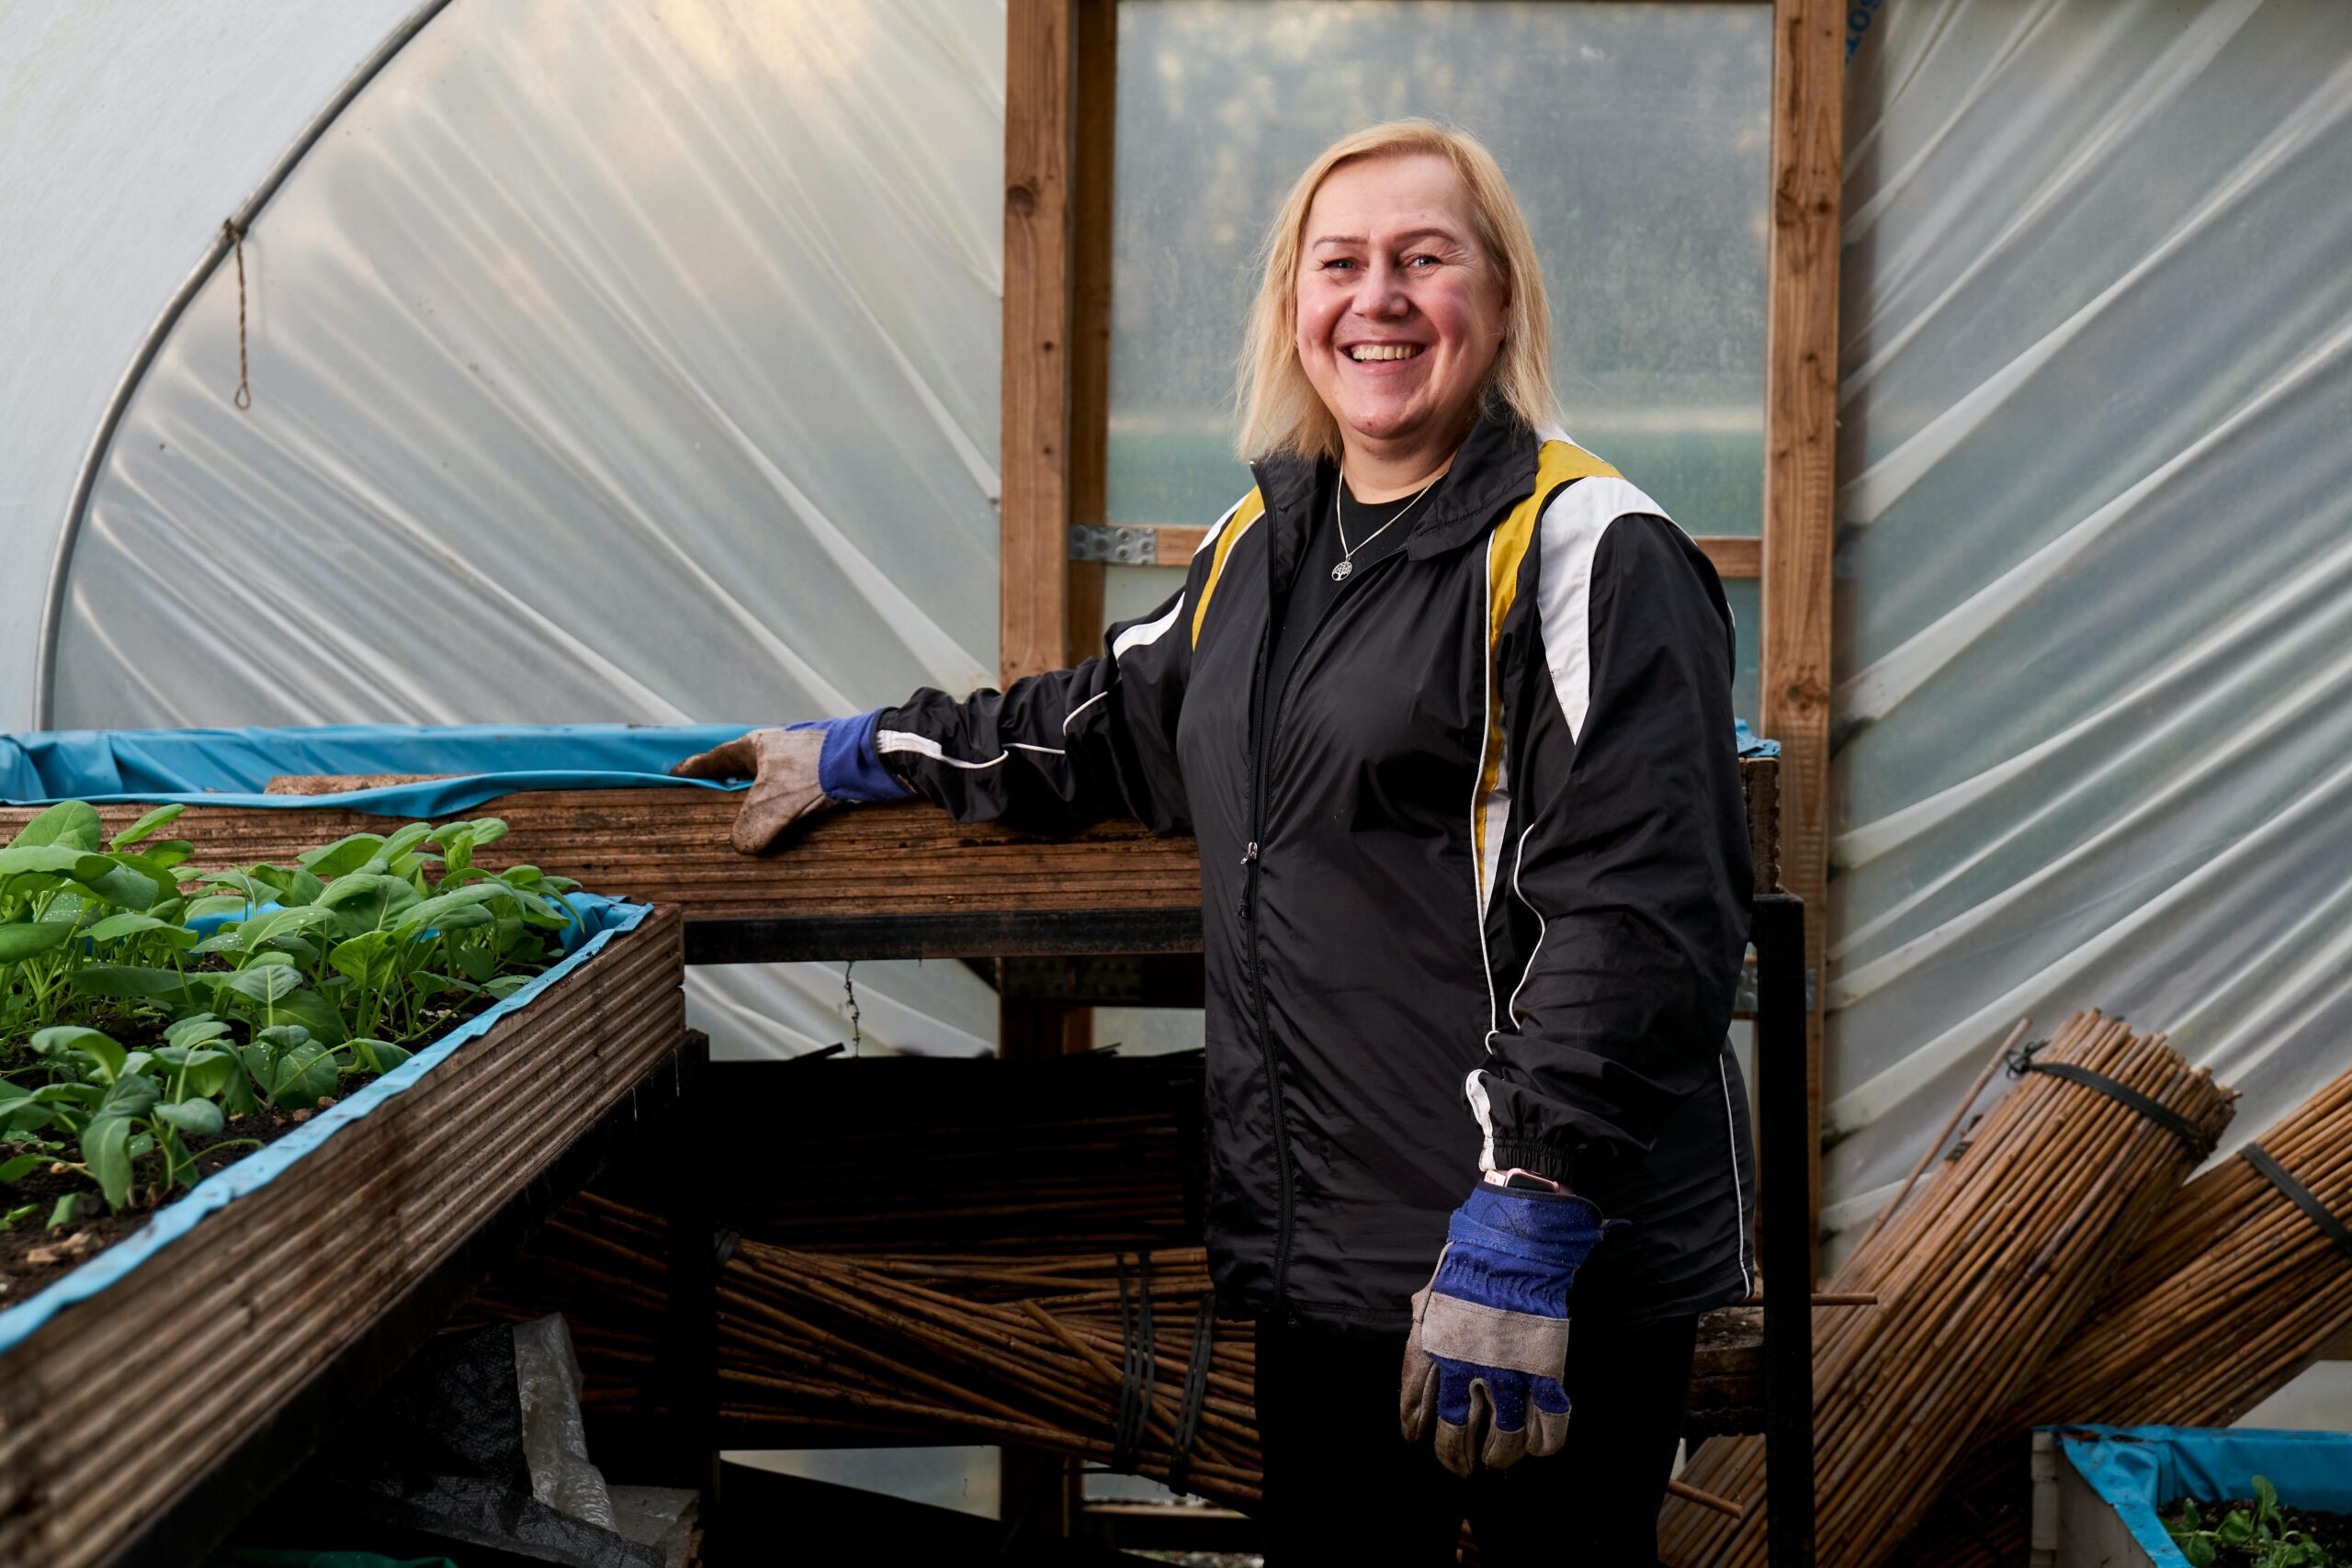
x=1343, y=1487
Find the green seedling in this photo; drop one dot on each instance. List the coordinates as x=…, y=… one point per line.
x=267, y=984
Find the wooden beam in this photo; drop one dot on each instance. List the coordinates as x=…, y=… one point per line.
x=1800, y=391
x=1097, y=71
x=1034, y=517
x=1736, y=556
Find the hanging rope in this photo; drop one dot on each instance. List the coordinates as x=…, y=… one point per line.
x=236, y=237
x=856, y=1034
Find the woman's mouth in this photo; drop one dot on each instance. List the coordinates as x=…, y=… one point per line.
x=1376, y=353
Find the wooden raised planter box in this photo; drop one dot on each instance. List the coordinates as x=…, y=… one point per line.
x=876, y=882
x=119, y=1407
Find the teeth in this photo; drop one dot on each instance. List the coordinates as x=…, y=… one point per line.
x=1364, y=352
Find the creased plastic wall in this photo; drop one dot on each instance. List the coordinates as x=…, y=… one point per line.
x=607, y=362
x=2095, y=569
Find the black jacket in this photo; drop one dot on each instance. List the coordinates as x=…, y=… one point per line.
x=1480, y=898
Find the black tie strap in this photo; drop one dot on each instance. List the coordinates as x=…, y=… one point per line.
x=1196, y=1388
x=2300, y=1196
x=2199, y=1142
x=1138, y=1364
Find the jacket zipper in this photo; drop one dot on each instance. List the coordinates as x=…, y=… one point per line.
x=1268, y=721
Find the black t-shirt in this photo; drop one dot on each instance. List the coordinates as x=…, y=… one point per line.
x=1313, y=591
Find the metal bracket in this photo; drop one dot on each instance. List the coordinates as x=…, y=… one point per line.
x=1117, y=545
x=1743, y=996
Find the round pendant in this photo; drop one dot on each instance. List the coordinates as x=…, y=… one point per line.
x=1339, y=572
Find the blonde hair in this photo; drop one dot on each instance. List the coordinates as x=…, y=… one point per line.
x=1280, y=410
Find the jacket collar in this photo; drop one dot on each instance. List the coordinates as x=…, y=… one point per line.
x=1494, y=471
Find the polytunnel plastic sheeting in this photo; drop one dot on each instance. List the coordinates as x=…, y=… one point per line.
x=607, y=365
x=2094, y=571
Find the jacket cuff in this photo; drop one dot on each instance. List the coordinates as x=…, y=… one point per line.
x=849, y=769
x=1544, y=1160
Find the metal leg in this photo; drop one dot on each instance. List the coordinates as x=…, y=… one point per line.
x=1786, y=1246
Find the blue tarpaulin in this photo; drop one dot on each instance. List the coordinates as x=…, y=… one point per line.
x=232, y=767
x=2139, y=1468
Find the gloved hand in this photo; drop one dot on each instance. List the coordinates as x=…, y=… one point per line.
x=795, y=772
x=1490, y=1330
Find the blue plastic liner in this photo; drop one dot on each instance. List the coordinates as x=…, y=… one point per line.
x=601, y=919
x=2138, y=1468
x=232, y=767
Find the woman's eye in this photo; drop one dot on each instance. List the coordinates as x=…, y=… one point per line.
x=1416, y=261
x=1337, y=263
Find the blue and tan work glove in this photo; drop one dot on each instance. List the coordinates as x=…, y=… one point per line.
x=1489, y=1344
x=795, y=772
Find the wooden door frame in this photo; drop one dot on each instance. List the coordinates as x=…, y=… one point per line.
x=1060, y=77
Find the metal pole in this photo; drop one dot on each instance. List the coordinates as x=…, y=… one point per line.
x=1786, y=1246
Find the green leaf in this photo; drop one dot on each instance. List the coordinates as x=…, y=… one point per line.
x=134, y=1094
x=21, y=1166
x=18, y=1215
x=98, y=1047
x=479, y=962
x=114, y=928
x=506, y=985
x=105, y=1149
x=19, y=942
x=315, y=1013
x=341, y=857
x=2235, y=1528
x=275, y=924
x=117, y=880
x=380, y=1056
x=366, y=901
x=51, y=860
x=266, y=983
x=2198, y=1550
x=194, y=1029
x=129, y=981
x=24, y=1116
x=196, y=1118
x=65, y=1210
x=146, y=825
x=82, y=1094
x=405, y=840
x=488, y=830
x=215, y=904
x=303, y=1075
x=72, y=823
x=289, y=885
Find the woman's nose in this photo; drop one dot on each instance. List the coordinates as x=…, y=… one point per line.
x=1382, y=295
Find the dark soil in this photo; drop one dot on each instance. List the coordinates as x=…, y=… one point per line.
x=30, y=1257
x=2333, y=1532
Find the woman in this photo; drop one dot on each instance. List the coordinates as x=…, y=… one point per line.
x=1446, y=702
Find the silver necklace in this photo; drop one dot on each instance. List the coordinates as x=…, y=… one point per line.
x=1340, y=572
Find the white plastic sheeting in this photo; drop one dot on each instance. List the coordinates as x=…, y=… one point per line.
x=2095, y=573
x=128, y=130
x=607, y=364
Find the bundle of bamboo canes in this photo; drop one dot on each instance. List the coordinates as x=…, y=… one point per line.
x=2235, y=1291
x=1058, y=1353
x=1978, y=1282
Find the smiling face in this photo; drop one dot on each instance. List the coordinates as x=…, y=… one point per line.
x=1399, y=309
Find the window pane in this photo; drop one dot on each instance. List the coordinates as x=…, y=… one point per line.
x=1636, y=136
x=1746, y=596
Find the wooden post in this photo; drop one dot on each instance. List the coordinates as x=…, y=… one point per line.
x=1801, y=388
x=1095, y=116
x=1032, y=627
